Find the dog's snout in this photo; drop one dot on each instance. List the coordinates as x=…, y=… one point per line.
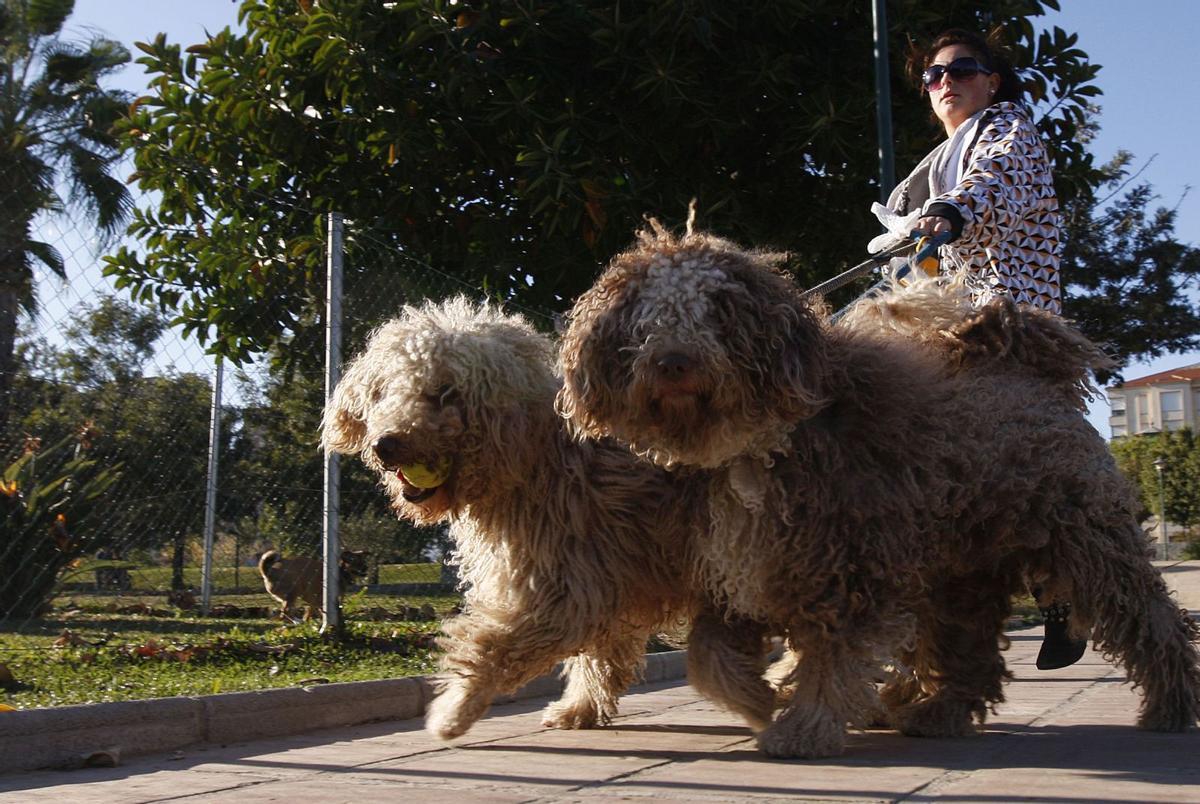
x=674, y=366
x=388, y=450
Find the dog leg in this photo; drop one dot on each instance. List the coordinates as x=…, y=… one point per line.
x=726, y=661
x=832, y=686
x=486, y=656
x=594, y=683
x=958, y=671
x=1139, y=624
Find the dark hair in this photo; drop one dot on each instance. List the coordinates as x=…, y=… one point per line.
x=990, y=52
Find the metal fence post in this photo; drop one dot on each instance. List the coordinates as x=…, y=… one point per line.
x=883, y=101
x=1160, y=463
x=332, y=619
x=210, y=492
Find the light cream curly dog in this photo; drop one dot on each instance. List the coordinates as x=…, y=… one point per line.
x=879, y=487
x=568, y=550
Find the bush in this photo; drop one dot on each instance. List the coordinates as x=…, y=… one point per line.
x=1191, y=550
x=46, y=497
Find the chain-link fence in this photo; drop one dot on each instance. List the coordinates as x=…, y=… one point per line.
x=109, y=488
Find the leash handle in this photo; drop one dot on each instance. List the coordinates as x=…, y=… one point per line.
x=925, y=259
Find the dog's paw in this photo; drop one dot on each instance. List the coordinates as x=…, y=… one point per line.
x=804, y=732
x=784, y=741
x=934, y=717
x=454, y=712
x=573, y=715
x=1168, y=718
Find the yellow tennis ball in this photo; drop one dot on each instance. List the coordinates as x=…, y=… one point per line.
x=424, y=476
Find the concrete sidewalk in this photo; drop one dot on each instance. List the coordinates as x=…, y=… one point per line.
x=1063, y=736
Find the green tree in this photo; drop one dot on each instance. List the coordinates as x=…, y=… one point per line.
x=1133, y=283
x=516, y=146
x=1180, y=452
x=275, y=462
x=155, y=427
x=56, y=151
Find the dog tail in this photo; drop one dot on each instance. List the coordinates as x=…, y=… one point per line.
x=265, y=563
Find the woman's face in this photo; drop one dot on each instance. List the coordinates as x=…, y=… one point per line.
x=954, y=100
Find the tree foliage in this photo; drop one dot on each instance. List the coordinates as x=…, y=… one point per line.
x=517, y=146
x=1180, y=453
x=1133, y=283
x=154, y=426
x=55, y=133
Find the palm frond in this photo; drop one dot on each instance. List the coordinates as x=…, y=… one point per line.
x=46, y=17
x=47, y=255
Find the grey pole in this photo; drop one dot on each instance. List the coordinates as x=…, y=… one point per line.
x=210, y=492
x=883, y=101
x=1160, y=463
x=332, y=620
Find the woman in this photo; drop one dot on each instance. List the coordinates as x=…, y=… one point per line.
x=989, y=184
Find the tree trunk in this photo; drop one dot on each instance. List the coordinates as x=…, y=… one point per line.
x=9, y=307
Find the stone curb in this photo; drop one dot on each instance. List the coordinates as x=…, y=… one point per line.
x=74, y=736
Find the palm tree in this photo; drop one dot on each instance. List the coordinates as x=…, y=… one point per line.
x=56, y=152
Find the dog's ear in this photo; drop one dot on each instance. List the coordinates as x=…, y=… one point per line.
x=594, y=361
x=344, y=425
x=780, y=337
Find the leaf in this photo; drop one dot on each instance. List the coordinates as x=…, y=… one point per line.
x=67, y=639
x=46, y=17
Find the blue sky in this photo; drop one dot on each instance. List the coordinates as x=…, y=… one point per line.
x=1149, y=102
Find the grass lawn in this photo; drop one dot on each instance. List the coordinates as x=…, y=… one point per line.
x=158, y=579
x=93, y=648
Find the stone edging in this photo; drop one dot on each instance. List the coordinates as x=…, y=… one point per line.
x=66, y=736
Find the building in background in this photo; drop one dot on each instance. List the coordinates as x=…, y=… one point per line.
x=1168, y=400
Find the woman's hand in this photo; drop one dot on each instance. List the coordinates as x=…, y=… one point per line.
x=931, y=225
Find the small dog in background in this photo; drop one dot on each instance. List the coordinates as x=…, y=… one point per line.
x=289, y=579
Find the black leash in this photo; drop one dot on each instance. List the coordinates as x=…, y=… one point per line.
x=863, y=268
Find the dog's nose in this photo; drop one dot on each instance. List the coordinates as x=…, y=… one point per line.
x=388, y=450
x=674, y=366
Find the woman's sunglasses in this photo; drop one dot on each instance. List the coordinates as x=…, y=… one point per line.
x=963, y=69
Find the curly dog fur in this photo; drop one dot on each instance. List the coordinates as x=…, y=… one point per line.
x=568, y=550
x=878, y=487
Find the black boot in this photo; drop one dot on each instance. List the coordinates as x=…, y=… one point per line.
x=1058, y=649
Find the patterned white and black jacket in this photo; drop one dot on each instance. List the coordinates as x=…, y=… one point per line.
x=1004, y=210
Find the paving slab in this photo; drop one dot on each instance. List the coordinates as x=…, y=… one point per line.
x=1062, y=736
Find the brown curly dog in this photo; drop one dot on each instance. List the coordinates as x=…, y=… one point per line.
x=879, y=487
